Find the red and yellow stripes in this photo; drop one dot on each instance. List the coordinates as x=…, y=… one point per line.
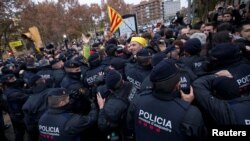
x=115, y=19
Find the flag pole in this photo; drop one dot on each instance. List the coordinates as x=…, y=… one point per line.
x=128, y=26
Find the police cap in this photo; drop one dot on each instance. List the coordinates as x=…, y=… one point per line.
x=8, y=78
x=165, y=70
x=58, y=92
x=72, y=64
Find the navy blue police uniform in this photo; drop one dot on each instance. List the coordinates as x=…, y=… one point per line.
x=161, y=114
x=59, y=124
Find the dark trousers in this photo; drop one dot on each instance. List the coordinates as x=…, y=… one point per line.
x=2, y=135
x=33, y=135
x=19, y=130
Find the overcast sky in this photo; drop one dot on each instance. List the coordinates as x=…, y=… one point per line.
x=183, y=2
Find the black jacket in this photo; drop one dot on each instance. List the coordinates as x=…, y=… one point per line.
x=34, y=107
x=161, y=116
x=115, y=108
x=136, y=74
x=223, y=112
x=15, y=99
x=57, y=124
x=196, y=66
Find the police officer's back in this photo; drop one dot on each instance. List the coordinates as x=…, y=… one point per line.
x=226, y=56
x=113, y=109
x=222, y=98
x=119, y=64
x=35, y=106
x=58, y=124
x=16, y=97
x=162, y=114
x=3, y=107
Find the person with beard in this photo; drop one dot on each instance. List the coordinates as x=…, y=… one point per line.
x=244, y=42
x=58, y=123
x=35, y=106
x=16, y=97
x=136, y=73
x=113, y=107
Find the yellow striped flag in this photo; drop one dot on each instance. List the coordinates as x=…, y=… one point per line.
x=115, y=19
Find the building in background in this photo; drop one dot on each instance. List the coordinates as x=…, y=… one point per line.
x=148, y=12
x=170, y=8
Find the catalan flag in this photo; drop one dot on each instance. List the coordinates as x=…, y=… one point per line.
x=115, y=19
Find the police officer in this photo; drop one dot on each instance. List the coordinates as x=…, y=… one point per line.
x=219, y=95
x=226, y=56
x=3, y=107
x=162, y=114
x=113, y=107
x=136, y=73
x=95, y=75
x=16, y=97
x=72, y=79
x=119, y=64
x=110, y=51
x=192, y=62
x=35, y=106
x=46, y=72
x=72, y=82
x=57, y=70
x=156, y=58
x=59, y=124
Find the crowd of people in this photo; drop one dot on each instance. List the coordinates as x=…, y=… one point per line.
x=167, y=83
